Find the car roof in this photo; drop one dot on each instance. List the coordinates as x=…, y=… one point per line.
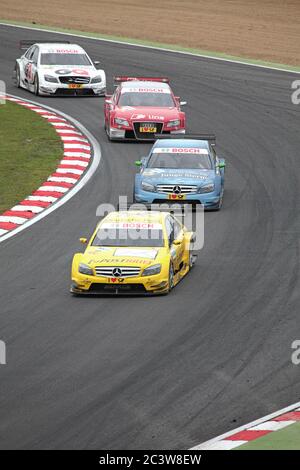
x=181, y=143
x=137, y=84
x=60, y=47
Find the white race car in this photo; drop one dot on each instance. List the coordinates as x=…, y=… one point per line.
x=58, y=68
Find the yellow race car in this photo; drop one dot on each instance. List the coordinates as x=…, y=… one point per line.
x=134, y=252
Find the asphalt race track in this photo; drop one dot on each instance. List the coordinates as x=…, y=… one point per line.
x=165, y=372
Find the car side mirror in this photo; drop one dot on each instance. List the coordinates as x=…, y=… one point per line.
x=183, y=103
x=83, y=240
x=96, y=63
x=141, y=162
x=177, y=241
x=221, y=165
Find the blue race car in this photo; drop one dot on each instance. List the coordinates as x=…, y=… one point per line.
x=181, y=169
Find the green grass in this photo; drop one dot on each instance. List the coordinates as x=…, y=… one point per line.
x=30, y=151
x=285, y=439
x=174, y=47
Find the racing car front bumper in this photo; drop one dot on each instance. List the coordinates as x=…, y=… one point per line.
x=142, y=285
x=120, y=133
x=210, y=201
x=97, y=89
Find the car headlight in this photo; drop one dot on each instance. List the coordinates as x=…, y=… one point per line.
x=207, y=188
x=155, y=269
x=97, y=79
x=85, y=269
x=49, y=78
x=174, y=123
x=121, y=122
x=147, y=186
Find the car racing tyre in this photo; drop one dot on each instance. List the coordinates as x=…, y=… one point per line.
x=107, y=129
x=171, y=278
x=36, y=86
x=221, y=201
x=18, y=77
x=216, y=209
x=133, y=196
x=192, y=255
x=191, y=259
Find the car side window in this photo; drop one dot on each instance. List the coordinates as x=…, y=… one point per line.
x=29, y=52
x=116, y=96
x=213, y=154
x=170, y=230
x=35, y=55
x=177, y=228
x=32, y=53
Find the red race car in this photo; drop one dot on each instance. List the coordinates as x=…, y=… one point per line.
x=142, y=107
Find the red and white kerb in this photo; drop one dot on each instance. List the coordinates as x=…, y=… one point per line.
x=252, y=432
x=76, y=158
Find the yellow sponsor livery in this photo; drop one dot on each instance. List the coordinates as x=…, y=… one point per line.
x=134, y=252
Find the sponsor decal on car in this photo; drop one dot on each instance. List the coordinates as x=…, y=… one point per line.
x=176, y=196
x=156, y=172
x=155, y=118
x=61, y=51
x=28, y=72
x=188, y=150
x=132, y=225
x=68, y=71
x=185, y=175
x=148, y=127
x=63, y=71
x=145, y=90
x=138, y=116
x=104, y=261
x=116, y=279
x=150, y=254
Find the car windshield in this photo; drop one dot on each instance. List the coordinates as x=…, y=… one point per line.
x=64, y=59
x=126, y=237
x=161, y=100
x=188, y=161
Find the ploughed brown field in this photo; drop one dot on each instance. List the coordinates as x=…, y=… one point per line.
x=259, y=29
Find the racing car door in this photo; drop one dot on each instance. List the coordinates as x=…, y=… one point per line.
x=176, y=242
x=30, y=64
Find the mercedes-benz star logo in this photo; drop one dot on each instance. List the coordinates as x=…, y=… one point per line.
x=117, y=272
x=177, y=190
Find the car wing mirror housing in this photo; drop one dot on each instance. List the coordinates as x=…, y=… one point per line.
x=83, y=240
x=141, y=162
x=221, y=163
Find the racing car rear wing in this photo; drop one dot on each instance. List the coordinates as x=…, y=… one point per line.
x=26, y=43
x=209, y=137
x=120, y=79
